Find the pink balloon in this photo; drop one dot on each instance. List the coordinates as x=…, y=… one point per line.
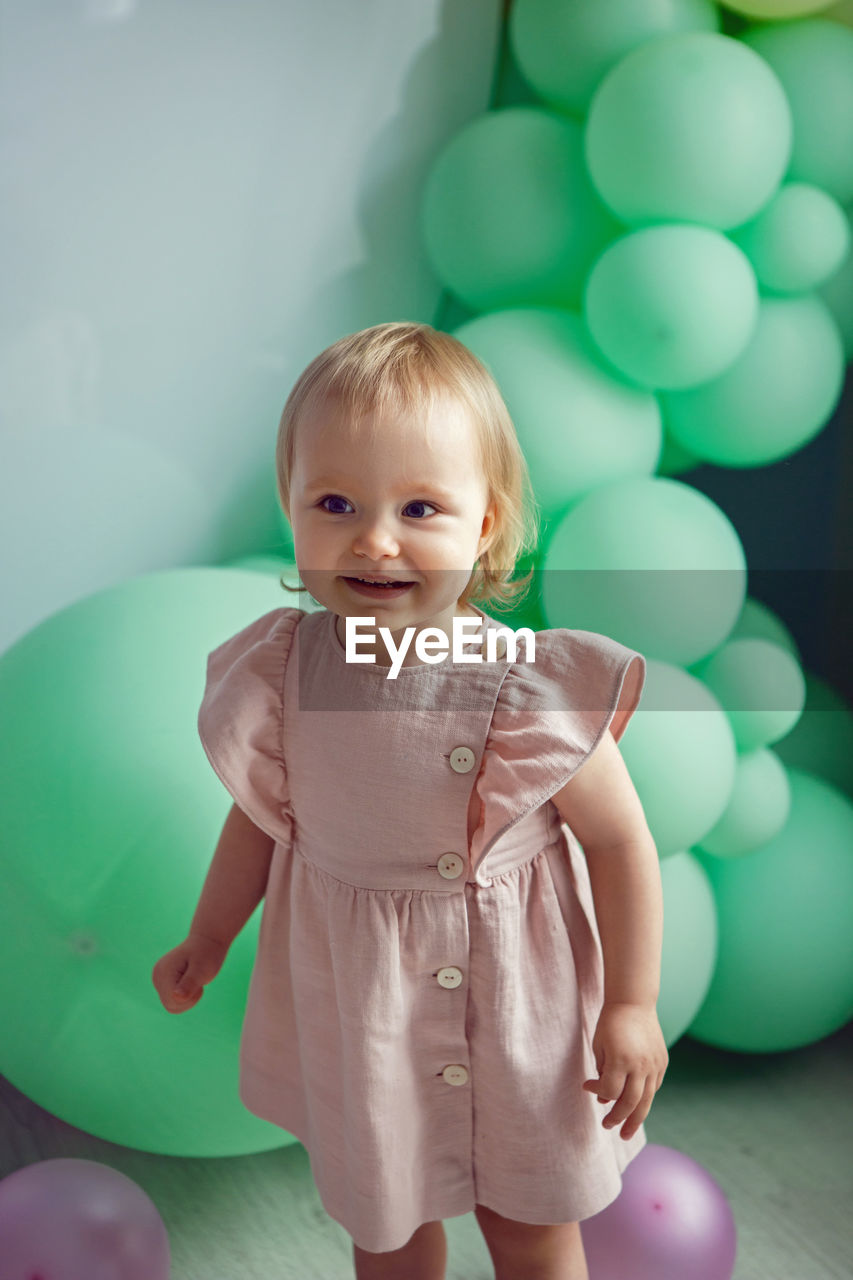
x=670, y=1220
x=79, y=1220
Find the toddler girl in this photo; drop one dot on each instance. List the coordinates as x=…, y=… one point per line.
x=460, y=945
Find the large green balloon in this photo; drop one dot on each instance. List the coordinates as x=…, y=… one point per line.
x=689, y=128
x=509, y=214
x=579, y=424
x=689, y=950
x=283, y=571
x=758, y=808
x=814, y=62
x=821, y=742
x=775, y=397
x=111, y=814
x=565, y=50
x=672, y=306
x=798, y=241
x=761, y=687
x=681, y=756
x=784, y=974
x=650, y=561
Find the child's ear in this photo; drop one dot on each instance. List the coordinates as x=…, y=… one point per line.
x=489, y=528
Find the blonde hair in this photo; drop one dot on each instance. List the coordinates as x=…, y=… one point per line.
x=408, y=366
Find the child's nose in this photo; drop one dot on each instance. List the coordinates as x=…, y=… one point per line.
x=376, y=536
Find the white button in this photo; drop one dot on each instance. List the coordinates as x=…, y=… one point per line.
x=455, y=1074
x=462, y=759
x=450, y=865
x=450, y=976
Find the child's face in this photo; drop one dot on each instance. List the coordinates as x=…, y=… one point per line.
x=391, y=504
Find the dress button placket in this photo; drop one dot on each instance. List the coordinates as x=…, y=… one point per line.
x=451, y=865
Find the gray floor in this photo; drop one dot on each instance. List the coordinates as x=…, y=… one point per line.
x=776, y=1131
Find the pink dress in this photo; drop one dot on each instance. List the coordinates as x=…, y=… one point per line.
x=429, y=974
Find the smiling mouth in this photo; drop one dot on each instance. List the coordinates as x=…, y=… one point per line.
x=381, y=582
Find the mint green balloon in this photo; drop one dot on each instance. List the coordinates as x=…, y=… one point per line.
x=671, y=306
x=759, y=622
x=111, y=814
x=282, y=571
x=837, y=293
x=779, y=393
x=761, y=687
x=784, y=973
x=509, y=214
x=813, y=60
x=821, y=741
x=650, y=561
x=579, y=424
x=680, y=752
x=798, y=240
x=689, y=951
x=565, y=50
x=758, y=808
x=690, y=127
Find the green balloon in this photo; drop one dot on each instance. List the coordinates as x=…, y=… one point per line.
x=689, y=951
x=680, y=753
x=509, y=214
x=813, y=60
x=579, y=424
x=798, y=241
x=672, y=306
x=758, y=808
x=821, y=742
x=837, y=293
x=775, y=397
x=690, y=127
x=761, y=623
x=111, y=814
x=650, y=561
x=278, y=568
x=784, y=974
x=565, y=50
x=761, y=687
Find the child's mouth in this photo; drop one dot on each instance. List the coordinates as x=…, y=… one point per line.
x=376, y=590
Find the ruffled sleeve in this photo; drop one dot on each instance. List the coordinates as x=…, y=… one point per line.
x=241, y=719
x=549, y=717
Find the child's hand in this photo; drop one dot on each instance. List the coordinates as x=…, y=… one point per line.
x=181, y=974
x=631, y=1057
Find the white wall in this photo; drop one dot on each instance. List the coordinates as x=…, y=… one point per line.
x=197, y=196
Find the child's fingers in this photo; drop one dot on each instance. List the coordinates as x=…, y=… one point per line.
x=610, y=1084
x=627, y=1102
x=640, y=1112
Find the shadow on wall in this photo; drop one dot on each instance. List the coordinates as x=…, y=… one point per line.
x=380, y=288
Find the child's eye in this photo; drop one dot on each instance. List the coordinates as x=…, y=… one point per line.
x=420, y=502
x=336, y=497
x=332, y=497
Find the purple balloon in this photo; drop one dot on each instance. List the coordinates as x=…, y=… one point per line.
x=79, y=1220
x=669, y=1221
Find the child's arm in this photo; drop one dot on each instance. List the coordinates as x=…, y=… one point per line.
x=236, y=881
x=602, y=807
x=235, y=884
